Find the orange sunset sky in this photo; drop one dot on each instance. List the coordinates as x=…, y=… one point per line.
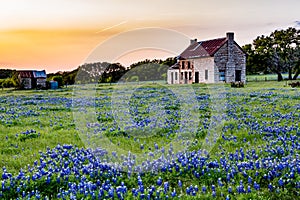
x=59, y=35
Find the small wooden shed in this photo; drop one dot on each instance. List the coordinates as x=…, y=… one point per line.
x=32, y=79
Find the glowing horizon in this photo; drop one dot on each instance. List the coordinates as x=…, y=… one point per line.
x=59, y=35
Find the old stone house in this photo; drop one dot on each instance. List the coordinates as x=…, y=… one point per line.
x=211, y=61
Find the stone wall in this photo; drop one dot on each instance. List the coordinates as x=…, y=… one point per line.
x=202, y=64
x=237, y=62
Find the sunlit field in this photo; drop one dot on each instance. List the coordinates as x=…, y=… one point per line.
x=151, y=141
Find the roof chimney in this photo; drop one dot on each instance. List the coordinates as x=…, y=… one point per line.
x=230, y=39
x=230, y=65
x=193, y=41
x=230, y=36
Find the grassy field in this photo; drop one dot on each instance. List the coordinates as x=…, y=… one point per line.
x=189, y=142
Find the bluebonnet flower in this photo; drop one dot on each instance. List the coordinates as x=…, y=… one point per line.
x=173, y=194
x=159, y=181
x=270, y=186
x=166, y=187
x=249, y=189
x=188, y=190
x=229, y=189
x=214, y=193
x=213, y=188
x=220, y=182
x=256, y=186
x=204, y=189
x=280, y=182
x=249, y=180
x=179, y=183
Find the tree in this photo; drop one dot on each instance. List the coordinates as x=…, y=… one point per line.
x=6, y=73
x=169, y=61
x=277, y=53
x=253, y=63
x=112, y=73
x=15, y=80
x=59, y=80
x=296, y=58
x=287, y=44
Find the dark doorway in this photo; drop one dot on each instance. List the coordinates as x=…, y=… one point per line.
x=172, y=78
x=238, y=75
x=196, y=77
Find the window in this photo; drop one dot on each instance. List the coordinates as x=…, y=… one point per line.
x=222, y=75
x=190, y=75
x=182, y=64
x=176, y=76
x=206, y=74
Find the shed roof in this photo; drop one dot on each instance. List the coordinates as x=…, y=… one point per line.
x=39, y=74
x=33, y=74
x=26, y=74
x=175, y=66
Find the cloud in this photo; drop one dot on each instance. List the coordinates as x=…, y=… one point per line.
x=297, y=23
x=119, y=24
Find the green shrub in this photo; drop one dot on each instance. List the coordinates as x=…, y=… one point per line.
x=59, y=80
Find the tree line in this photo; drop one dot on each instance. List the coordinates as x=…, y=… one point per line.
x=99, y=72
x=104, y=72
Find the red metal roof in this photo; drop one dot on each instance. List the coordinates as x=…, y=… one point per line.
x=26, y=74
x=211, y=46
x=203, y=48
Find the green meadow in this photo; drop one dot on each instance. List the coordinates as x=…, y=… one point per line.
x=261, y=120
